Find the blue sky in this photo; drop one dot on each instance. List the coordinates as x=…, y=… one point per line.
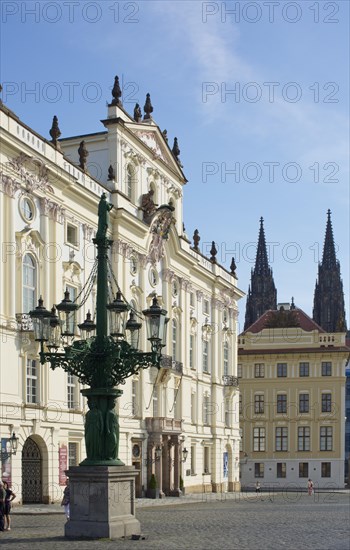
x=285, y=131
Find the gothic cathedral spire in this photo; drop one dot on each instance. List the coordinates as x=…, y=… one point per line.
x=329, y=310
x=262, y=294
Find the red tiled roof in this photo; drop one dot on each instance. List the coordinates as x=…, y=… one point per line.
x=305, y=322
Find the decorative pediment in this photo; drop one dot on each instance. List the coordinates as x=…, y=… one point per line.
x=153, y=142
x=29, y=240
x=72, y=271
x=32, y=172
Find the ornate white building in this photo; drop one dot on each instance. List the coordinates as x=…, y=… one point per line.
x=48, y=217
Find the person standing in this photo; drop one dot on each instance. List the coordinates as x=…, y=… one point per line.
x=310, y=487
x=9, y=497
x=2, y=506
x=66, y=499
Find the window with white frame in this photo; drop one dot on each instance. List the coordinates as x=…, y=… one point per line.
x=259, y=439
x=205, y=356
x=32, y=382
x=72, y=235
x=192, y=340
x=326, y=438
x=206, y=460
x=29, y=273
x=71, y=392
x=225, y=358
x=206, y=409
x=206, y=307
x=73, y=293
x=227, y=412
x=134, y=398
x=239, y=370
x=193, y=408
x=259, y=403
x=259, y=370
x=304, y=438
x=73, y=458
x=192, y=300
x=155, y=401
x=193, y=460
x=174, y=339
x=281, y=439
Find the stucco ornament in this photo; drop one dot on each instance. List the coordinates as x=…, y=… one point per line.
x=160, y=231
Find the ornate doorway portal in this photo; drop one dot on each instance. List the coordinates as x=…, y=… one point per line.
x=31, y=473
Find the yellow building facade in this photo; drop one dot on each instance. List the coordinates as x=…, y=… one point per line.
x=292, y=402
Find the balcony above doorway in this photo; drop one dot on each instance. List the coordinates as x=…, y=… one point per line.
x=163, y=425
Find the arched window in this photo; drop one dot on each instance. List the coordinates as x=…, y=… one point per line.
x=29, y=283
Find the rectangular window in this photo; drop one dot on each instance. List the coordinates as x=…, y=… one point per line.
x=326, y=438
x=304, y=438
x=72, y=235
x=205, y=356
x=155, y=401
x=239, y=370
x=73, y=293
x=32, y=382
x=191, y=299
x=281, y=469
x=325, y=469
x=193, y=408
x=206, y=307
x=206, y=460
x=326, y=402
x=206, y=409
x=134, y=398
x=72, y=454
x=304, y=369
x=259, y=404
x=259, y=370
x=71, y=393
x=326, y=368
x=193, y=460
x=191, y=351
x=225, y=359
x=259, y=469
x=174, y=340
x=259, y=439
x=304, y=404
x=281, y=439
x=227, y=413
x=281, y=370
x=281, y=403
x=303, y=469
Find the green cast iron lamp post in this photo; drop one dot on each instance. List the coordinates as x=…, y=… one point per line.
x=105, y=359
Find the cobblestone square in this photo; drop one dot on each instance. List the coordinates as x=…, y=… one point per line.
x=266, y=522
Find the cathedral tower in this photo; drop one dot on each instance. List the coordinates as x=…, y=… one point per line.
x=262, y=294
x=329, y=310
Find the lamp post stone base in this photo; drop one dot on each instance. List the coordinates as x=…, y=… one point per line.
x=102, y=502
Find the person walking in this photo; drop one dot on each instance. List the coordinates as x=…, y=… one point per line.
x=66, y=499
x=2, y=506
x=9, y=497
x=257, y=488
x=310, y=487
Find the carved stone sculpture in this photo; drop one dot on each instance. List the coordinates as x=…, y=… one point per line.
x=103, y=217
x=233, y=267
x=55, y=133
x=137, y=113
x=148, y=206
x=165, y=135
x=111, y=173
x=112, y=431
x=213, y=252
x=83, y=155
x=93, y=430
x=116, y=92
x=148, y=108
x=196, y=239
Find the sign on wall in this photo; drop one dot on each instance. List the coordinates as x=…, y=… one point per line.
x=62, y=464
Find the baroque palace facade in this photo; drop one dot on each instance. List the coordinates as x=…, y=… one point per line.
x=48, y=218
x=291, y=372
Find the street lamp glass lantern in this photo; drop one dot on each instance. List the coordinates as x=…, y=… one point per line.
x=87, y=328
x=40, y=326
x=155, y=322
x=118, y=312
x=184, y=454
x=132, y=330
x=67, y=312
x=13, y=440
